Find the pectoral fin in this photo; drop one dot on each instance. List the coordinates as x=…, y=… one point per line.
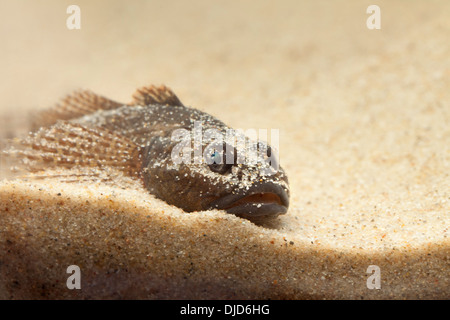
x=70, y=145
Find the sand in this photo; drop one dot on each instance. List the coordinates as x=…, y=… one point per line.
x=364, y=138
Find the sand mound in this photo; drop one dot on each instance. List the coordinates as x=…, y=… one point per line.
x=131, y=245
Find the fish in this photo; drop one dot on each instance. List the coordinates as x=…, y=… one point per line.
x=137, y=139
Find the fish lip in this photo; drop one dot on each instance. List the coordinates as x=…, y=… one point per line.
x=254, y=209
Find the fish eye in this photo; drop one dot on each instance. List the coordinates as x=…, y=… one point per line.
x=273, y=160
x=271, y=157
x=218, y=163
x=220, y=168
x=216, y=158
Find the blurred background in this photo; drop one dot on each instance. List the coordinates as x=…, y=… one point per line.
x=214, y=54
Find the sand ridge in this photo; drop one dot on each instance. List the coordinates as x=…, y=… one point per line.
x=130, y=245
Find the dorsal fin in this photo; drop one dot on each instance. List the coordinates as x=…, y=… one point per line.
x=155, y=95
x=74, y=105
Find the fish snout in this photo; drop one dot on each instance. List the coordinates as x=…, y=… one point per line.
x=265, y=199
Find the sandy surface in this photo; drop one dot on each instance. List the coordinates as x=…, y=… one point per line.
x=364, y=138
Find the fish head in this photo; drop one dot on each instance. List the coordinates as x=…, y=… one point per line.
x=243, y=178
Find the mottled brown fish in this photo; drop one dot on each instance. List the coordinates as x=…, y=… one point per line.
x=88, y=130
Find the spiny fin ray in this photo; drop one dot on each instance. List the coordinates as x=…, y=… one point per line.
x=155, y=95
x=72, y=106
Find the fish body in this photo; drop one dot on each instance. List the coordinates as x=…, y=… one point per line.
x=142, y=139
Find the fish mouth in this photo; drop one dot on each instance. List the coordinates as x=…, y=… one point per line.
x=266, y=199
